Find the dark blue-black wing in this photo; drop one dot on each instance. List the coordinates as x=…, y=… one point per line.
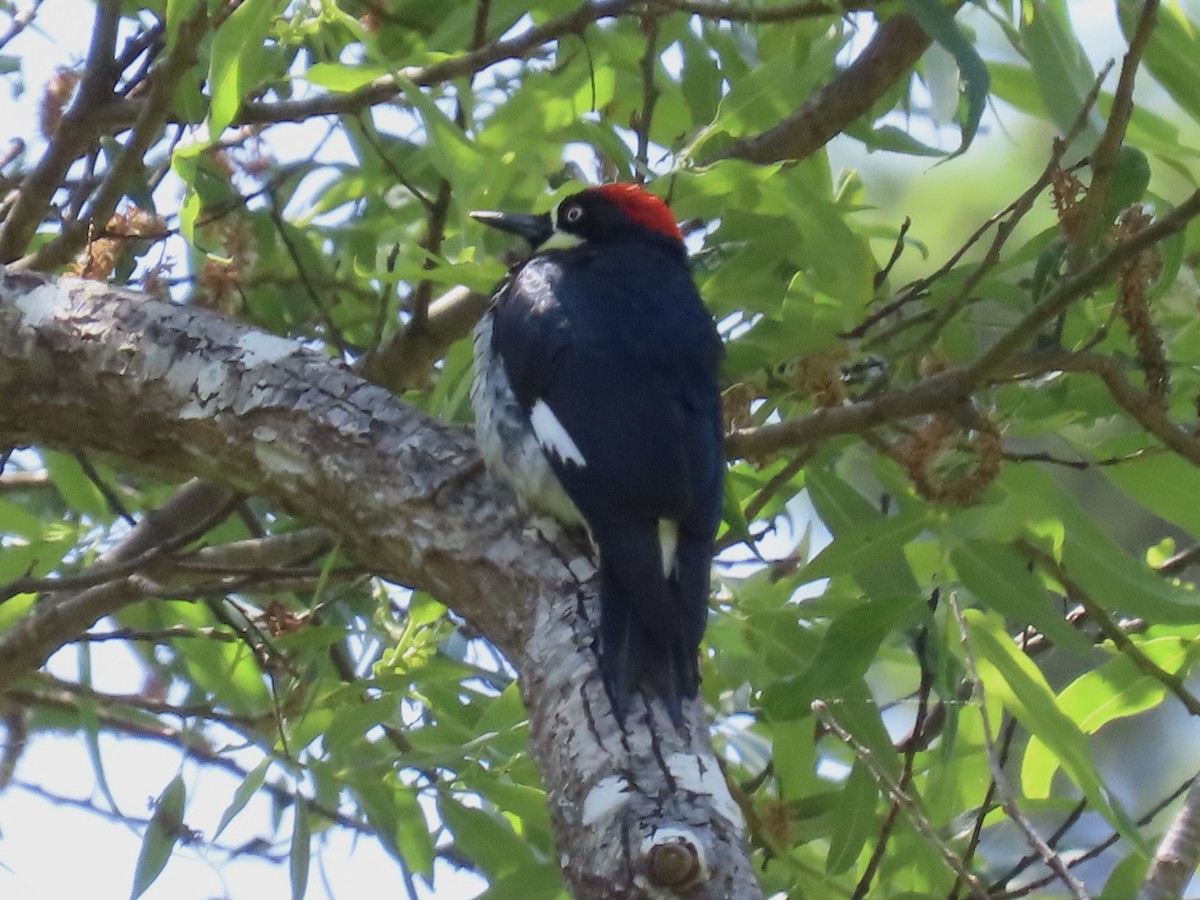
x=614, y=356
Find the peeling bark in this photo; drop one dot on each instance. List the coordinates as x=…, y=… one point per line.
x=644, y=813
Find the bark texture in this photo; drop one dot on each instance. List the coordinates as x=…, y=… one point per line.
x=644, y=813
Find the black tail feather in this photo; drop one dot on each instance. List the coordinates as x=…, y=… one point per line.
x=650, y=625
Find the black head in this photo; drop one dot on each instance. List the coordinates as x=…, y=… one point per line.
x=605, y=214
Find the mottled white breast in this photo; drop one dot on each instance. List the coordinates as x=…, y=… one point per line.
x=507, y=440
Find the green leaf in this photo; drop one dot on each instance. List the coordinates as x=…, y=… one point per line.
x=793, y=757
x=866, y=545
x=89, y=721
x=1000, y=577
x=1060, y=65
x=16, y=520
x=1171, y=53
x=341, y=78
x=1130, y=178
x=938, y=22
x=1127, y=877
x=298, y=856
x=484, y=837
x=890, y=138
x=847, y=651
x=237, y=50
x=532, y=882
x=1118, y=582
x=1010, y=674
x=412, y=833
x=77, y=489
x=248, y=788
x=734, y=518
x=1092, y=558
x=844, y=510
x=853, y=819
x=1167, y=484
x=166, y=825
x=1116, y=690
x=449, y=150
x=178, y=12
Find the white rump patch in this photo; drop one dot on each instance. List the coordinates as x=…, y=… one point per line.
x=668, y=544
x=552, y=436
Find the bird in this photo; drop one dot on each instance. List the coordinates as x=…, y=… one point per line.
x=596, y=397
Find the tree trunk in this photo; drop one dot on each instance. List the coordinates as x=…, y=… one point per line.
x=640, y=813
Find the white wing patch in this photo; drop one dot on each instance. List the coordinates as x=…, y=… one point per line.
x=668, y=545
x=552, y=436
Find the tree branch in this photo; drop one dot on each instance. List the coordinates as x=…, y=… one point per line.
x=953, y=386
x=388, y=87
x=1104, y=160
x=893, y=51
x=177, y=386
x=756, y=14
x=77, y=130
x=146, y=131
x=404, y=358
x=907, y=803
x=1178, y=853
x=62, y=615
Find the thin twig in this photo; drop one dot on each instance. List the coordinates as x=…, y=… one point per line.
x=1104, y=158
x=1006, y=738
x=147, y=129
x=1180, y=561
x=908, y=804
x=996, y=889
x=20, y=21
x=906, y=773
x=76, y=132
x=1096, y=613
x=754, y=13
x=650, y=92
x=157, y=635
x=1007, y=796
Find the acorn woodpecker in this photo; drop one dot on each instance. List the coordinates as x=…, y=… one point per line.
x=596, y=398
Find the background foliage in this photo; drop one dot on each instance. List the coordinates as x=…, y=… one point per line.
x=985, y=574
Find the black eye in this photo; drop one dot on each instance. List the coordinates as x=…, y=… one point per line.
x=573, y=213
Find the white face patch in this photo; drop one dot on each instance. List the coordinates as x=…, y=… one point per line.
x=552, y=436
x=560, y=240
x=668, y=544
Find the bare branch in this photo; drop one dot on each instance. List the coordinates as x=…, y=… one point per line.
x=20, y=21
x=273, y=550
x=79, y=127
x=147, y=129
x=997, y=889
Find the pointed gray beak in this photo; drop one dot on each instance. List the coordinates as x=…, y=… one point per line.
x=535, y=229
